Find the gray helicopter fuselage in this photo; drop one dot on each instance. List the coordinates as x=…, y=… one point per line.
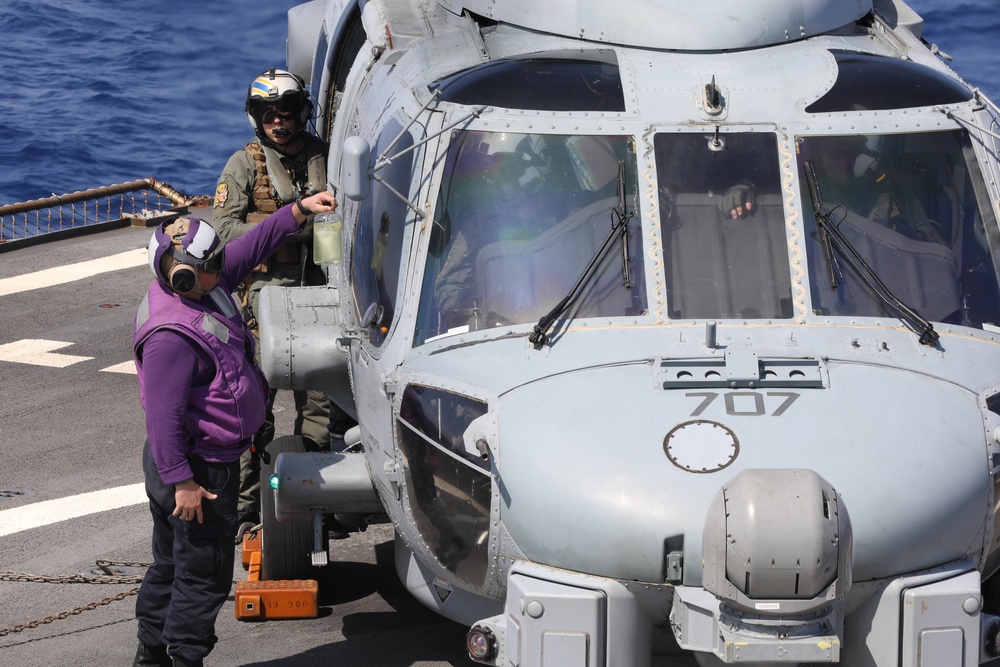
x=734, y=437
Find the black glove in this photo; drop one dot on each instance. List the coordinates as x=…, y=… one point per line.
x=260, y=441
x=738, y=202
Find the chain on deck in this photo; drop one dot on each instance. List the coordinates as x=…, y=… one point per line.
x=109, y=578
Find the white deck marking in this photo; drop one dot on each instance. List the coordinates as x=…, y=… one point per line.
x=61, y=275
x=38, y=352
x=48, y=512
x=127, y=367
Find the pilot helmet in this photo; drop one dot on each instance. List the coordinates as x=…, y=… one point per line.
x=867, y=163
x=278, y=90
x=193, y=243
x=524, y=160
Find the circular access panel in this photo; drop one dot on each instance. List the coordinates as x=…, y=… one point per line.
x=701, y=446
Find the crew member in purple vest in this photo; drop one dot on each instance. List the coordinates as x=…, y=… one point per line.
x=204, y=397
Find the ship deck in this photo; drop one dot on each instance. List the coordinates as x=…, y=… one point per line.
x=71, y=424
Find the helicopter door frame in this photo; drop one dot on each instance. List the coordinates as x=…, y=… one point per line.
x=374, y=367
x=343, y=45
x=427, y=167
x=432, y=159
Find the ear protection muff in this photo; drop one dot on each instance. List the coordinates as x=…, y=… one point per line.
x=182, y=278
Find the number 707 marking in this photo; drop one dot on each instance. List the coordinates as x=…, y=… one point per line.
x=744, y=409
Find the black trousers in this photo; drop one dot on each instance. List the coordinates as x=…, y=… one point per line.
x=192, y=571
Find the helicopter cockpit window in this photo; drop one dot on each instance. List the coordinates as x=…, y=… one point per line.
x=518, y=219
x=723, y=226
x=378, y=243
x=909, y=204
x=448, y=489
x=876, y=83
x=579, y=81
x=443, y=416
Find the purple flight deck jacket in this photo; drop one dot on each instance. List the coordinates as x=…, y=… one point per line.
x=202, y=390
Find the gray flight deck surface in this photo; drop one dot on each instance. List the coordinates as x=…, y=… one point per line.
x=77, y=429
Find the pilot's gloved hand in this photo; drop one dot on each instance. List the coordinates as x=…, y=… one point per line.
x=738, y=201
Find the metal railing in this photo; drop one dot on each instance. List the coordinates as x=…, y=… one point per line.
x=59, y=216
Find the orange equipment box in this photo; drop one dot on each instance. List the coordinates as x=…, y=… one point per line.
x=267, y=600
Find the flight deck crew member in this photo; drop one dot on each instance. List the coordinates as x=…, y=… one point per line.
x=284, y=161
x=205, y=397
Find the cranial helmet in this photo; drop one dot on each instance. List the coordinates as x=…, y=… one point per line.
x=523, y=159
x=195, y=246
x=867, y=163
x=279, y=90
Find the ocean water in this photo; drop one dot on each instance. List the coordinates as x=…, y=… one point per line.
x=109, y=91
x=106, y=91
x=968, y=31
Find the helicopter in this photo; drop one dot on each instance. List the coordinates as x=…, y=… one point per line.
x=666, y=328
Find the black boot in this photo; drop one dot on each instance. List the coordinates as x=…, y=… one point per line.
x=151, y=656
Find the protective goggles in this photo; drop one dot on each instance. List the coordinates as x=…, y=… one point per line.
x=211, y=264
x=273, y=116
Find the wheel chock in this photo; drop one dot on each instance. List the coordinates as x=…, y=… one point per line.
x=258, y=600
x=251, y=544
x=269, y=600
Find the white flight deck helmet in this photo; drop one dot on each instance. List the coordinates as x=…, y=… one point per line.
x=193, y=243
x=281, y=91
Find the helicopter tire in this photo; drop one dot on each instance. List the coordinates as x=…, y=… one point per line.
x=285, y=547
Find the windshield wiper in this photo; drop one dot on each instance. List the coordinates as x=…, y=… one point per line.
x=832, y=238
x=619, y=224
x=621, y=214
x=823, y=223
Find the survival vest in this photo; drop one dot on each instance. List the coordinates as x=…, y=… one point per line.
x=231, y=408
x=274, y=188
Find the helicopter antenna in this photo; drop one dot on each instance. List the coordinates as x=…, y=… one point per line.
x=713, y=98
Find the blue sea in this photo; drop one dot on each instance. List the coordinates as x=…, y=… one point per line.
x=108, y=91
